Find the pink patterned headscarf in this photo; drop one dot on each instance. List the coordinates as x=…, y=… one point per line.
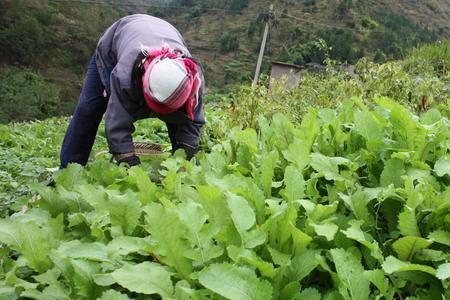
x=184, y=96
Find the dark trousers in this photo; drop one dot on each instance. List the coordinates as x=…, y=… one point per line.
x=80, y=134
x=91, y=107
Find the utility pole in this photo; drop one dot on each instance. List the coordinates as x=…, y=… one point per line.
x=263, y=46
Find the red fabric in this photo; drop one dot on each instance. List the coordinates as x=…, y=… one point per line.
x=187, y=94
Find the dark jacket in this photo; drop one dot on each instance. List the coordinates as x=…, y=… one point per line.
x=115, y=55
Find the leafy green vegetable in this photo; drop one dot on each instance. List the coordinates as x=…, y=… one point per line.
x=350, y=204
x=145, y=278
x=234, y=282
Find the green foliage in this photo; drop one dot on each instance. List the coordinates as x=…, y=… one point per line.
x=343, y=8
x=389, y=37
x=313, y=51
x=434, y=59
x=341, y=44
x=286, y=211
x=395, y=80
x=23, y=40
x=26, y=95
x=238, y=4
x=229, y=42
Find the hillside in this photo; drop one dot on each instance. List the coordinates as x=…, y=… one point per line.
x=56, y=38
x=380, y=29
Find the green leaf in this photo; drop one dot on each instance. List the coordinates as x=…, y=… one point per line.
x=113, y=295
x=318, y=212
x=125, y=245
x=50, y=277
x=357, y=202
x=147, y=189
x=68, y=177
x=33, y=241
x=443, y=271
x=280, y=258
x=298, y=154
x=431, y=255
x=145, y=278
x=48, y=293
x=94, y=195
x=354, y=232
x=183, y=291
x=124, y=211
x=247, y=142
x=242, y=214
x=407, y=223
x=214, y=203
x=353, y=283
x=328, y=230
x=328, y=166
x=369, y=127
x=378, y=279
x=169, y=233
x=90, y=251
x=8, y=293
x=309, y=294
x=266, y=172
x=442, y=166
x=300, y=239
x=393, y=265
x=294, y=184
x=199, y=233
x=241, y=255
x=253, y=238
x=301, y=266
x=441, y=237
x=392, y=173
x=236, y=283
x=103, y=279
x=407, y=246
x=80, y=275
x=407, y=130
x=244, y=218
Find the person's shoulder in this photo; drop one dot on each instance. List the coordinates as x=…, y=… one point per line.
x=140, y=17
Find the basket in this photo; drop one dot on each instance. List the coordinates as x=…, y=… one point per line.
x=144, y=148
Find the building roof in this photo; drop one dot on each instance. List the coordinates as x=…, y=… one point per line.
x=286, y=65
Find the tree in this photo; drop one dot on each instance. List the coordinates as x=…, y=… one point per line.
x=23, y=40
x=26, y=96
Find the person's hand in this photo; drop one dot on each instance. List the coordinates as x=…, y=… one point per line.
x=129, y=158
x=188, y=149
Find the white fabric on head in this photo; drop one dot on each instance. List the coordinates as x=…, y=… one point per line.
x=165, y=77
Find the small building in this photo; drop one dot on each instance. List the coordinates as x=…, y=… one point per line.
x=282, y=70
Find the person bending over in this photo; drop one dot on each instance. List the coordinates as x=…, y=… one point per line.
x=141, y=69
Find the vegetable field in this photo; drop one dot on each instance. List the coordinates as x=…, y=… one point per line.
x=351, y=203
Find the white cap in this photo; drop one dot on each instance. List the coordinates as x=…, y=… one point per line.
x=165, y=77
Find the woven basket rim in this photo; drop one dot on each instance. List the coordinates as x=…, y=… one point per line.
x=145, y=148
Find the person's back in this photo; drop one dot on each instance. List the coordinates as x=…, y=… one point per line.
x=121, y=43
x=146, y=70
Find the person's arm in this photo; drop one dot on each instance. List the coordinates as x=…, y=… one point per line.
x=119, y=127
x=187, y=137
x=186, y=134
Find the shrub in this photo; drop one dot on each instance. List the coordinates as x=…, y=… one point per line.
x=229, y=43
x=316, y=50
x=434, y=58
x=23, y=40
x=26, y=96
